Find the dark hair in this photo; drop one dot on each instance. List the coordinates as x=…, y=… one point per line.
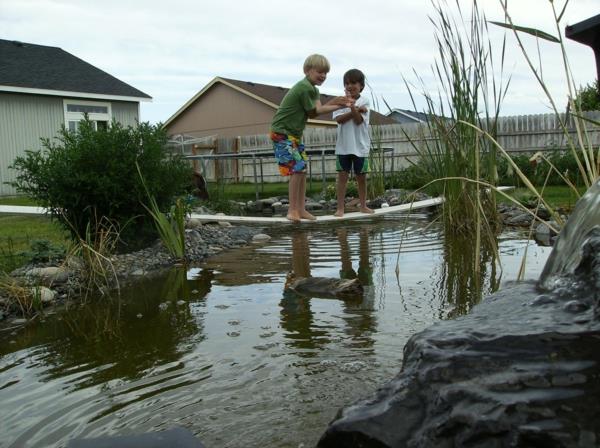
x=355, y=75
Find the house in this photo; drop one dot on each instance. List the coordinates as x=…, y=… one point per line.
x=230, y=108
x=43, y=88
x=407, y=116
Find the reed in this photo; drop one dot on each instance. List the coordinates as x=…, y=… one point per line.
x=94, y=249
x=580, y=145
x=171, y=229
x=467, y=95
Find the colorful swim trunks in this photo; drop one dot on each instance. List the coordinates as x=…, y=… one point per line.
x=289, y=153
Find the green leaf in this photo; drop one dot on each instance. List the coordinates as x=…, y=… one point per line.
x=532, y=31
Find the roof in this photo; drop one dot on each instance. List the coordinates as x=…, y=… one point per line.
x=408, y=115
x=586, y=32
x=271, y=96
x=39, y=69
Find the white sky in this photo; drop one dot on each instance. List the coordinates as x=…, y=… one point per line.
x=172, y=49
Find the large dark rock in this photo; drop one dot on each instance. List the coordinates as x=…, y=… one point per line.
x=522, y=370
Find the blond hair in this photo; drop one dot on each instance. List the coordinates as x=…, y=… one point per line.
x=316, y=61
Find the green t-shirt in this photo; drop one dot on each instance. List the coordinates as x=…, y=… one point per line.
x=292, y=114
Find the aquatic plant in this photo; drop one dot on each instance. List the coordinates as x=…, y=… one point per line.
x=454, y=152
x=586, y=156
x=171, y=228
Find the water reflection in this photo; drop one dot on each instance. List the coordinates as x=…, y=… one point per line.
x=110, y=337
x=223, y=350
x=465, y=276
x=297, y=316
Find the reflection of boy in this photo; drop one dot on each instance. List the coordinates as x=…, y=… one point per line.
x=353, y=141
x=300, y=102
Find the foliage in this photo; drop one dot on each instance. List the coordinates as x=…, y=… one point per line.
x=88, y=175
x=94, y=248
x=171, y=227
x=330, y=191
x=456, y=156
x=555, y=167
x=586, y=157
x=43, y=251
x=27, y=300
x=588, y=97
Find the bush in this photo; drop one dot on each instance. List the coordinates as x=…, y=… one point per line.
x=564, y=161
x=90, y=176
x=588, y=97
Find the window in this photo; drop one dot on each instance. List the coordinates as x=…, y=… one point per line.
x=99, y=113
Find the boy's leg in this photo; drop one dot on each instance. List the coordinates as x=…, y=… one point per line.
x=340, y=187
x=302, y=198
x=361, y=181
x=293, y=213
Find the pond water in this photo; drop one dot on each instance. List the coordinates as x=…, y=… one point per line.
x=222, y=350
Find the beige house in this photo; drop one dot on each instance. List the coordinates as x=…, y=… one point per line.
x=231, y=108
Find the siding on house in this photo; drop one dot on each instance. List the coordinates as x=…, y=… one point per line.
x=24, y=119
x=220, y=105
x=125, y=113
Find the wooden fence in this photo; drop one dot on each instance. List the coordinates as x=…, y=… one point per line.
x=516, y=134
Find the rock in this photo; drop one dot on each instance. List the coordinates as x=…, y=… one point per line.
x=49, y=275
x=544, y=234
x=260, y=238
x=324, y=287
x=225, y=224
x=520, y=370
x=45, y=295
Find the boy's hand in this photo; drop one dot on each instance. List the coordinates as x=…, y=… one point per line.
x=343, y=101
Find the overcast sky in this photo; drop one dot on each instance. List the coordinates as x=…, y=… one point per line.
x=172, y=49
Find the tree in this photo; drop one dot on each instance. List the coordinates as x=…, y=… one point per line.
x=88, y=176
x=589, y=97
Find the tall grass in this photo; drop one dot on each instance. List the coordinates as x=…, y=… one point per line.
x=468, y=94
x=580, y=145
x=171, y=229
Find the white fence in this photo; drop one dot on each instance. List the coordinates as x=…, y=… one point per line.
x=516, y=134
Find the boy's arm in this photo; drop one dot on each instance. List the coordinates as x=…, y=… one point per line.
x=334, y=104
x=355, y=114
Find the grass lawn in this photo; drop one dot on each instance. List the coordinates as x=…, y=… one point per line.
x=556, y=196
x=17, y=232
x=247, y=191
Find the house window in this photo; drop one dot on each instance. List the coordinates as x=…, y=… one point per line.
x=98, y=113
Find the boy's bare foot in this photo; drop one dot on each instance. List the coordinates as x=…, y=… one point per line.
x=294, y=217
x=339, y=213
x=366, y=209
x=305, y=215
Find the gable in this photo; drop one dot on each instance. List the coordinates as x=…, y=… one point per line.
x=30, y=68
x=268, y=95
x=220, y=104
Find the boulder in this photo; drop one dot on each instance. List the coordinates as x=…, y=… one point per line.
x=520, y=370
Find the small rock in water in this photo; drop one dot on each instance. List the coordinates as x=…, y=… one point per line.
x=260, y=238
x=234, y=322
x=233, y=334
x=139, y=315
x=163, y=306
x=181, y=302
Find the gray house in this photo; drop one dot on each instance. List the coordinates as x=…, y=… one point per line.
x=407, y=116
x=43, y=88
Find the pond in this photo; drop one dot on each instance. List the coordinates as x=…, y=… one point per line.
x=224, y=351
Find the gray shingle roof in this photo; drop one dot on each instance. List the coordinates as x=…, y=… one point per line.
x=24, y=65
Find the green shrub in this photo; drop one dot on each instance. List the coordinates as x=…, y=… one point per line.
x=588, y=97
x=42, y=251
x=87, y=177
x=563, y=161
